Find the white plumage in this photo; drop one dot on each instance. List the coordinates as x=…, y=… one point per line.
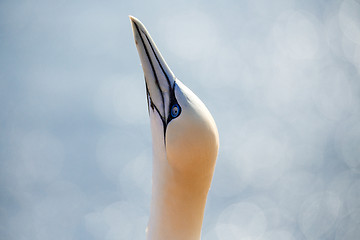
x=185, y=146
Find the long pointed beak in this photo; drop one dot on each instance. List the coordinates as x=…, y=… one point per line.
x=158, y=76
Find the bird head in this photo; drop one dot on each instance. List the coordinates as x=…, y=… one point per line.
x=183, y=131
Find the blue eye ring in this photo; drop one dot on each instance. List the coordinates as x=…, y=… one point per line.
x=175, y=110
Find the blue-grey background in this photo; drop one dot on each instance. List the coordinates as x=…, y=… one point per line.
x=281, y=79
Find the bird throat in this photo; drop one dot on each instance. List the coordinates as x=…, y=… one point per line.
x=177, y=204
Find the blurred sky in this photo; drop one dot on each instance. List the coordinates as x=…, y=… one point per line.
x=281, y=79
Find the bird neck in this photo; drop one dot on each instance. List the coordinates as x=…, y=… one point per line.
x=177, y=204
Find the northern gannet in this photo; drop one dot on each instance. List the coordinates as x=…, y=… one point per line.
x=185, y=146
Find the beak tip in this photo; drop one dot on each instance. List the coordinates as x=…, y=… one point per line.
x=134, y=20
x=137, y=22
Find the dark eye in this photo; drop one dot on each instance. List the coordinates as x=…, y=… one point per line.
x=175, y=110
